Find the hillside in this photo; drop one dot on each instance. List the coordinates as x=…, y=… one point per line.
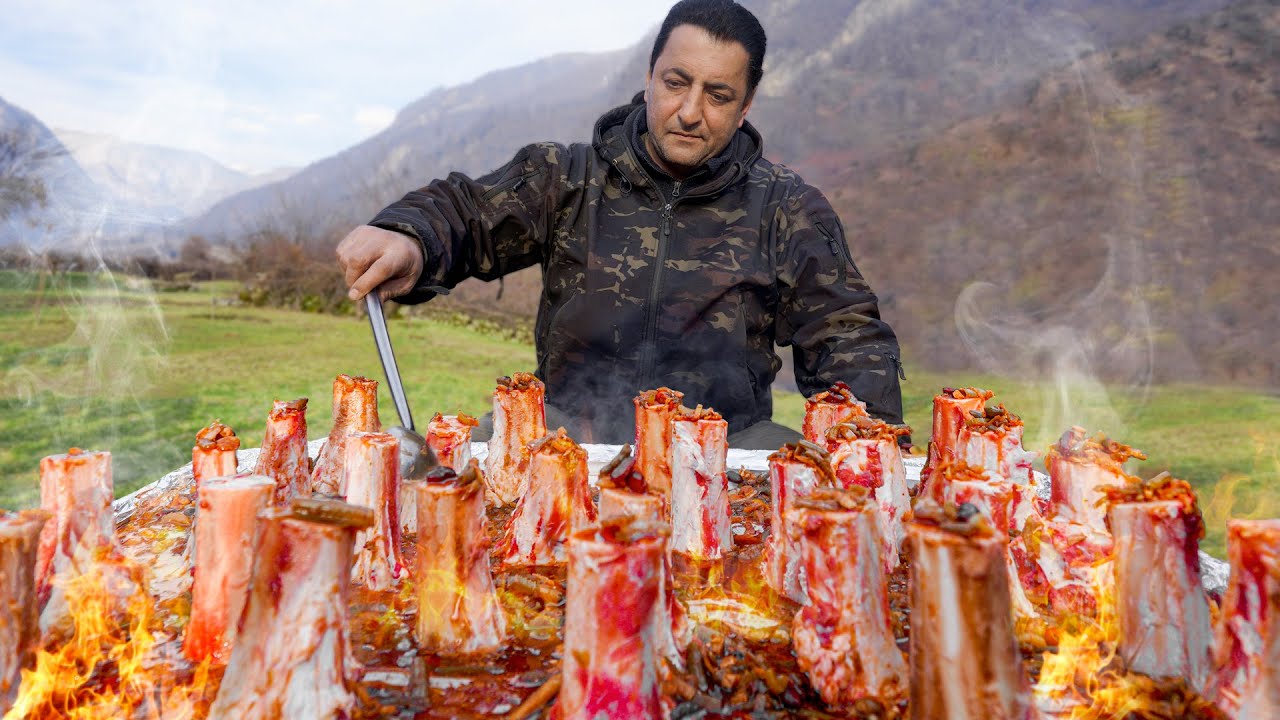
x=1029, y=144
x=168, y=183
x=41, y=185
x=1122, y=216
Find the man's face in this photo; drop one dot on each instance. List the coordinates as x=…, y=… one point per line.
x=697, y=99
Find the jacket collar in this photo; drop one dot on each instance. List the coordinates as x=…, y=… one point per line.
x=617, y=135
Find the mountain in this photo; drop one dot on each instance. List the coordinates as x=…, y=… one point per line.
x=1030, y=184
x=473, y=127
x=44, y=193
x=168, y=183
x=840, y=74
x=1118, y=219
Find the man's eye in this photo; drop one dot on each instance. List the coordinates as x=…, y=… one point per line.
x=719, y=99
x=674, y=84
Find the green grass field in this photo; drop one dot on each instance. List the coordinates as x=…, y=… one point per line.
x=108, y=363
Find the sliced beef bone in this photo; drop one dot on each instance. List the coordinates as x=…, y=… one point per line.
x=291, y=654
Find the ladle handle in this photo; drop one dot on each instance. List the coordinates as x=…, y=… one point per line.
x=382, y=339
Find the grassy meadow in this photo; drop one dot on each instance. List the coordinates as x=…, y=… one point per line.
x=110, y=363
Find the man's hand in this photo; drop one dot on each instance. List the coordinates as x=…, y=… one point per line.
x=375, y=258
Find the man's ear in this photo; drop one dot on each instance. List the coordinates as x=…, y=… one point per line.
x=745, y=107
x=648, y=78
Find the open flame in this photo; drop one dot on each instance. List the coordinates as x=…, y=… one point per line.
x=1085, y=679
x=110, y=665
x=1079, y=677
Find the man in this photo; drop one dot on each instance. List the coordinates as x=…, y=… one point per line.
x=672, y=252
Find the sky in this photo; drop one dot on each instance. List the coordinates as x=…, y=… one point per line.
x=263, y=85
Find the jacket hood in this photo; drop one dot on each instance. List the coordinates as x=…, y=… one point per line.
x=612, y=141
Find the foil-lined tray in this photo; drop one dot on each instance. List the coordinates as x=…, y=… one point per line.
x=1214, y=572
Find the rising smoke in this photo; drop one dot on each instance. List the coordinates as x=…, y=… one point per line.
x=1068, y=345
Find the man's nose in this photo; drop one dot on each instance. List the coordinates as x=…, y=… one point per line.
x=690, y=113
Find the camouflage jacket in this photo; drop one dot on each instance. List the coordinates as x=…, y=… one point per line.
x=650, y=282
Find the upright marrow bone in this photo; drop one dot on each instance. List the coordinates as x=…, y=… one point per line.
x=1079, y=469
x=215, y=453
x=20, y=629
x=964, y=657
x=284, y=450
x=700, y=514
x=950, y=410
x=654, y=410
x=795, y=470
x=226, y=536
x=992, y=438
x=843, y=636
x=1161, y=606
x=865, y=452
x=355, y=409
x=557, y=500
x=1247, y=652
x=291, y=653
x=624, y=492
x=829, y=408
x=625, y=497
x=613, y=635
x=372, y=478
x=458, y=611
x=76, y=489
x=449, y=437
x=519, y=418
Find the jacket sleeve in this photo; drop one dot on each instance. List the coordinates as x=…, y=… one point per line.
x=828, y=313
x=484, y=228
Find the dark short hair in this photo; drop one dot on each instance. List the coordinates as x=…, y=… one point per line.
x=724, y=20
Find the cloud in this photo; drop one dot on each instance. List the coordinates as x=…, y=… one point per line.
x=313, y=77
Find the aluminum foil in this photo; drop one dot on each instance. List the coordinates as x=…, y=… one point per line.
x=181, y=479
x=1214, y=572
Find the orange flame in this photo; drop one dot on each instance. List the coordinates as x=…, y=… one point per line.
x=110, y=664
x=1078, y=676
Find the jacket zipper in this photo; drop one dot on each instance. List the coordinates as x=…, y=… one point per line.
x=651, y=304
x=668, y=210
x=902, y=374
x=512, y=184
x=834, y=245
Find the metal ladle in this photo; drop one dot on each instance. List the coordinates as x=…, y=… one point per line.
x=416, y=456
